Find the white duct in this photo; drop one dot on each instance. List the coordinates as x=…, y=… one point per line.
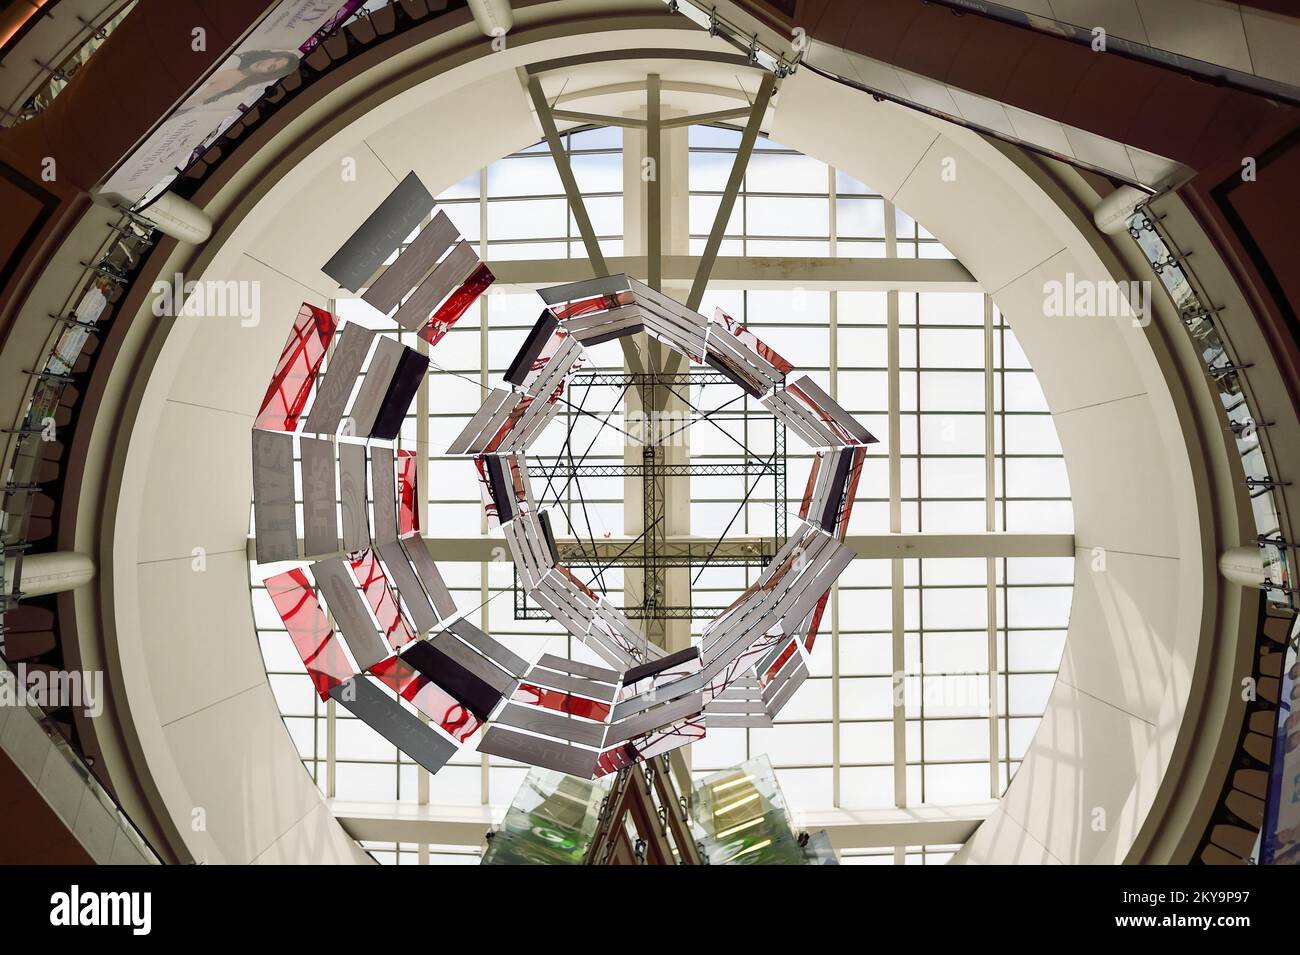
x=178, y=218
x=494, y=17
x=1243, y=565
x=54, y=573
x=1111, y=215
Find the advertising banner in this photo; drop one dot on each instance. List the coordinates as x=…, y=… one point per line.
x=270, y=52
x=1280, y=836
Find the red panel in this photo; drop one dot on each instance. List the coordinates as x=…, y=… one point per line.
x=826, y=416
x=299, y=361
x=326, y=661
x=561, y=702
x=427, y=697
x=601, y=303
x=812, y=483
x=509, y=426
x=851, y=491
x=781, y=661
x=382, y=600
x=816, y=622
x=450, y=311
x=751, y=341
x=591, y=594
x=408, y=492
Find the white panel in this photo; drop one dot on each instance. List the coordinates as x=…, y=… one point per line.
x=1123, y=626
x=1000, y=840
x=1080, y=360
x=1274, y=40
x=1212, y=32
x=965, y=212
x=1116, y=17
x=198, y=485
x=245, y=774
x=884, y=139
x=188, y=625
x=1122, y=498
x=239, y=386
x=1078, y=772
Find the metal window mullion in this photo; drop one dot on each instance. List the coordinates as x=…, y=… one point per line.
x=577, y=206
x=990, y=563
x=898, y=653
x=484, y=372
x=833, y=359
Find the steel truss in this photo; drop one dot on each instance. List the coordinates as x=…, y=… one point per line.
x=653, y=552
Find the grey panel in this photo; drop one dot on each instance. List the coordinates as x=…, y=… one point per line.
x=408, y=586
x=587, y=288
x=451, y=271
x=724, y=721
x=375, y=386
x=340, y=378
x=364, y=252
x=475, y=663
x=552, y=724
x=492, y=649
x=570, y=684
x=734, y=706
x=491, y=404
x=345, y=606
x=835, y=410
x=412, y=264
x=394, y=723
x=430, y=578
x=578, y=669
x=383, y=491
x=352, y=493
x=273, y=504
x=320, y=519
x=655, y=719
x=775, y=704
x=536, y=751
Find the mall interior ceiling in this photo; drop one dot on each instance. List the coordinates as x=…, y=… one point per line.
x=649, y=432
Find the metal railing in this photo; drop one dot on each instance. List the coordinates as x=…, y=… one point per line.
x=58, y=75
x=1200, y=317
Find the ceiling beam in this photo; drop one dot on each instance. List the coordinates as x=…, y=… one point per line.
x=576, y=205
x=822, y=273
x=868, y=546
x=848, y=829
x=758, y=110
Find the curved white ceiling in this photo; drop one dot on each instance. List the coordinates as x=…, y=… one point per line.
x=209, y=729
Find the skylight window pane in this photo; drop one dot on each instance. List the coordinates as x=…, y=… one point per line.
x=773, y=215
x=785, y=173
x=860, y=217
x=528, y=176
x=527, y=218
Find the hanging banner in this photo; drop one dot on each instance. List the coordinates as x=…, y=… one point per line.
x=1280, y=836
x=269, y=53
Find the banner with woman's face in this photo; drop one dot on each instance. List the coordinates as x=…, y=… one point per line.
x=270, y=52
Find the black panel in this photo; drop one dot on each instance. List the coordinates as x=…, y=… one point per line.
x=550, y=536
x=411, y=369
x=543, y=328
x=499, y=487
x=659, y=666
x=591, y=340
x=470, y=691
x=839, y=484
x=379, y=236
x=726, y=367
